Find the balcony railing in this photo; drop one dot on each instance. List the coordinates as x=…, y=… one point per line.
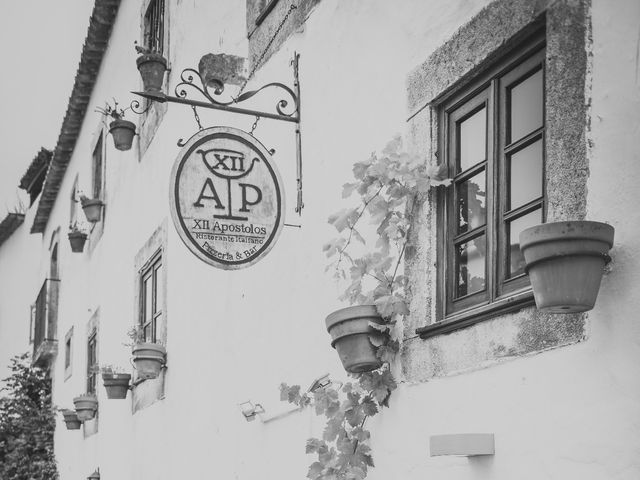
x=45, y=320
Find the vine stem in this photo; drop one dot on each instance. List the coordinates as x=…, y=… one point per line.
x=404, y=246
x=355, y=447
x=373, y=276
x=352, y=227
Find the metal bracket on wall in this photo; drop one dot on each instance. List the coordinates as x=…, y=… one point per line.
x=286, y=109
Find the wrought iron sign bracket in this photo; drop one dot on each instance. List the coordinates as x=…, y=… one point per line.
x=287, y=109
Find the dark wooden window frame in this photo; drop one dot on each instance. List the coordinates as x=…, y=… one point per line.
x=149, y=272
x=92, y=361
x=97, y=167
x=73, y=203
x=154, y=26
x=500, y=295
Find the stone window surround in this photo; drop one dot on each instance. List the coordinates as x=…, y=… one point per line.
x=54, y=241
x=149, y=391
x=97, y=229
x=150, y=121
x=260, y=34
x=495, y=31
x=90, y=427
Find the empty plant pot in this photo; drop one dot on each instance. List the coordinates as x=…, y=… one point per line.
x=565, y=262
x=152, y=67
x=71, y=419
x=77, y=241
x=116, y=384
x=351, y=337
x=148, y=359
x=86, y=407
x=92, y=209
x=122, y=132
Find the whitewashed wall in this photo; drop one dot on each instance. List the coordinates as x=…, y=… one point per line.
x=234, y=336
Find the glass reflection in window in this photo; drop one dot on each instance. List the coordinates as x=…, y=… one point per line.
x=470, y=266
x=472, y=138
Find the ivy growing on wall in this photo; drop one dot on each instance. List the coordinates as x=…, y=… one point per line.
x=27, y=423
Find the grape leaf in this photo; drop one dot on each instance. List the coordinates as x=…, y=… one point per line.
x=344, y=218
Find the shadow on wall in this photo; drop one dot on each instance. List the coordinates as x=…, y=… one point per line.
x=481, y=466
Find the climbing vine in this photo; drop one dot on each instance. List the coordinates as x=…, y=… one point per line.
x=27, y=423
x=388, y=185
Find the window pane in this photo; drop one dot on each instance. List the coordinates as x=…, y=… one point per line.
x=472, y=208
x=148, y=298
x=67, y=353
x=472, y=140
x=525, y=178
x=516, y=260
x=526, y=106
x=97, y=169
x=470, y=266
x=148, y=334
x=157, y=298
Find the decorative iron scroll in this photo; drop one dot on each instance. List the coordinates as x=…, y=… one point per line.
x=137, y=108
x=287, y=109
x=191, y=78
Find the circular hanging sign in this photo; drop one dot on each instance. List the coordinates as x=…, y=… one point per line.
x=227, y=201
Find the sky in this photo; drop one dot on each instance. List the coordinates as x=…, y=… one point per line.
x=40, y=46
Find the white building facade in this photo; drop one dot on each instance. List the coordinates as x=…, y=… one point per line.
x=560, y=393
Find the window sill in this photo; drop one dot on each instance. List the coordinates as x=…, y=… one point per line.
x=472, y=316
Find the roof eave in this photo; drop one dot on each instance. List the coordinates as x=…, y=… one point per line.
x=98, y=34
x=10, y=224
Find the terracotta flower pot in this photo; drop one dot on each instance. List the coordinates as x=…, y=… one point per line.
x=77, y=241
x=116, y=384
x=86, y=407
x=92, y=209
x=71, y=419
x=152, y=67
x=351, y=336
x=122, y=132
x=148, y=359
x=565, y=262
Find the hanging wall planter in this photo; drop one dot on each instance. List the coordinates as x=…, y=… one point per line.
x=565, y=262
x=71, y=419
x=92, y=208
x=148, y=359
x=116, y=384
x=151, y=67
x=120, y=129
x=122, y=132
x=352, y=337
x=77, y=240
x=86, y=406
